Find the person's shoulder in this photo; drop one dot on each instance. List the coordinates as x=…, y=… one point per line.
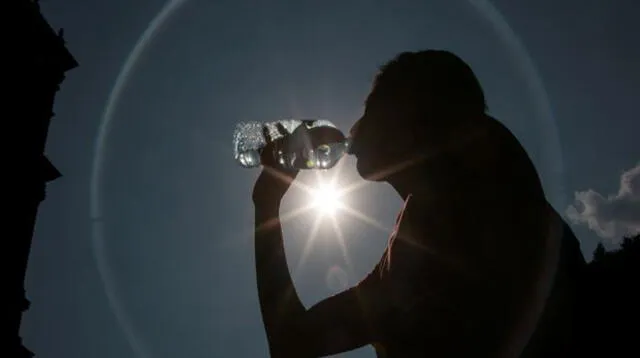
x=507, y=149
x=499, y=134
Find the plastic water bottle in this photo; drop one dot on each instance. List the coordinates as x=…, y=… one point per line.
x=289, y=143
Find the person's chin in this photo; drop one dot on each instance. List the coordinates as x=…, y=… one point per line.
x=366, y=170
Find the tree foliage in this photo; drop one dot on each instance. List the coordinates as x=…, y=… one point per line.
x=612, y=300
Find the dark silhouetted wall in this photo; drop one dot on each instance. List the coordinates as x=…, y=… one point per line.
x=37, y=62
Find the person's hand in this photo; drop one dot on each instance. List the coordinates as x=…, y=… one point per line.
x=275, y=179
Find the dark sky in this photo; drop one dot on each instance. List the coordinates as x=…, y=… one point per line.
x=157, y=261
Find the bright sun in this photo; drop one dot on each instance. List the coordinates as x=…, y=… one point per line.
x=326, y=199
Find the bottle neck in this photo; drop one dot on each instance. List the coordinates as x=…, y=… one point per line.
x=347, y=143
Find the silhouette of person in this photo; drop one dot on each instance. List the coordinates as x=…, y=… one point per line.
x=479, y=263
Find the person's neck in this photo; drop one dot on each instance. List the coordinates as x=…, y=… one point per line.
x=410, y=181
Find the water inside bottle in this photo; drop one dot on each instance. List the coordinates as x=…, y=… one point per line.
x=249, y=159
x=247, y=142
x=326, y=156
x=327, y=144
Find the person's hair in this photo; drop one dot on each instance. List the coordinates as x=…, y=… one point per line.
x=433, y=81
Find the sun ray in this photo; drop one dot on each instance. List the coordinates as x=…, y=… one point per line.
x=343, y=246
x=337, y=171
x=295, y=183
x=294, y=213
x=365, y=218
x=381, y=174
x=283, y=218
x=308, y=245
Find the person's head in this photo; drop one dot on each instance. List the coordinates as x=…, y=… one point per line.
x=416, y=97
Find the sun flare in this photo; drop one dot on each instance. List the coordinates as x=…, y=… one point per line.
x=326, y=198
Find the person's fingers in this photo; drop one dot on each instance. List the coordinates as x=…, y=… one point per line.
x=281, y=129
x=266, y=134
x=300, y=137
x=273, y=148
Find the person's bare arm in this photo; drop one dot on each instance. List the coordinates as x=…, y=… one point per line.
x=332, y=326
x=336, y=324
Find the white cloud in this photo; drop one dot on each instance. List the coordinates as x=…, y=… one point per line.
x=614, y=216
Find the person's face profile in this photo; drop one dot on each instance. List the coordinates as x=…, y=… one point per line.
x=371, y=137
x=389, y=132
